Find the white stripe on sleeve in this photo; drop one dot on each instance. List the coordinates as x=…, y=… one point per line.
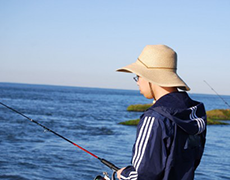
x=142, y=140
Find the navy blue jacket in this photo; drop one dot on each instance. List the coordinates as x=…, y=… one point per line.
x=170, y=140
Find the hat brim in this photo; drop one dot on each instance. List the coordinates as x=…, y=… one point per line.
x=161, y=77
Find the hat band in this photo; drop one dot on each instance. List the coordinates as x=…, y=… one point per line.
x=154, y=67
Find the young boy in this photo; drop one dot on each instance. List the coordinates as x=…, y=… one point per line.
x=171, y=134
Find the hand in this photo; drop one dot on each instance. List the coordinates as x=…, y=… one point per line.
x=119, y=173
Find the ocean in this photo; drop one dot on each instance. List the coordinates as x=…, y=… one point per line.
x=89, y=117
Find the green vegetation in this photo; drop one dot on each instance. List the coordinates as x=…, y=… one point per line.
x=213, y=116
x=133, y=122
x=139, y=107
x=219, y=114
x=215, y=122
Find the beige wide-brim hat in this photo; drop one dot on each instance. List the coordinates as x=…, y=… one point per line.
x=157, y=64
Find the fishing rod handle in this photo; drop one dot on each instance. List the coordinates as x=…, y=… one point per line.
x=109, y=164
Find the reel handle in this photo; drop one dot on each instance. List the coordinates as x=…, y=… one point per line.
x=109, y=164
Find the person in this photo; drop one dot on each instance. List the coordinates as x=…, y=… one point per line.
x=171, y=134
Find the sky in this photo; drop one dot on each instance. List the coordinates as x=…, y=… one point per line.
x=82, y=43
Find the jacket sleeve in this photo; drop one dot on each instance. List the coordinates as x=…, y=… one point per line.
x=149, y=151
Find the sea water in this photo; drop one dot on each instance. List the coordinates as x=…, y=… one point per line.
x=89, y=117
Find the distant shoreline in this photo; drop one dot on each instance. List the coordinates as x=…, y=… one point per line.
x=214, y=117
x=91, y=87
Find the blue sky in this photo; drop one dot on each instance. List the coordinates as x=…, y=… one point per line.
x=82, y=43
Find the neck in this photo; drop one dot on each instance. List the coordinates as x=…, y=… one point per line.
x=162, y=91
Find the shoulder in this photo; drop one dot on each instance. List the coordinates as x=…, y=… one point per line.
x=158, y=120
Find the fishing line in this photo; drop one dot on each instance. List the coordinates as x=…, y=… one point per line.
x=218, y=94
x=105, y=162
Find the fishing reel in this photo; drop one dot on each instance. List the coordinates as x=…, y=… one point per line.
x=106, y=176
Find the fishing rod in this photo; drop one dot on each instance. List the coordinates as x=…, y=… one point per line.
x=218, y=94
x=105, y=162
